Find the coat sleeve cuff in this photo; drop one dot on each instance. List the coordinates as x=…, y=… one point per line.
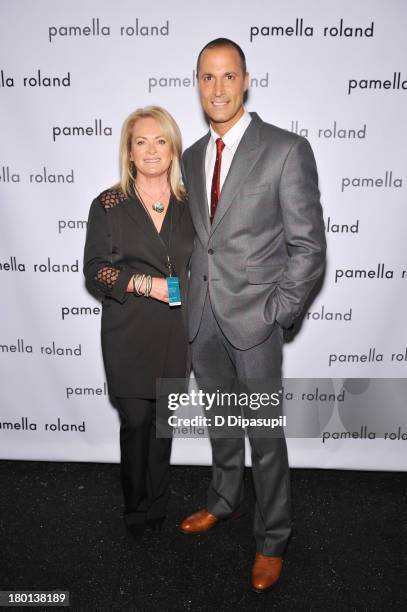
x=119, y=291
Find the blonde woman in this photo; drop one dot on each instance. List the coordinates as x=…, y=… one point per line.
x=139, y=234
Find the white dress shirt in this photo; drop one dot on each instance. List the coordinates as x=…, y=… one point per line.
x=231, y=140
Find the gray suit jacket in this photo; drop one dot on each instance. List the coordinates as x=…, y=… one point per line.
x=266, y=246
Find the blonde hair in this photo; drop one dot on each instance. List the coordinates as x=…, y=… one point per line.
x=170, y=131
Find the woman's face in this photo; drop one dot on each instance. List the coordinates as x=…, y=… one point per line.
x=150, y=149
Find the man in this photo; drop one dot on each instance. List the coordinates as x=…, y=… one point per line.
x=259, y=249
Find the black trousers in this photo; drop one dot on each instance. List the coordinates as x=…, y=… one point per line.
x=145, y=460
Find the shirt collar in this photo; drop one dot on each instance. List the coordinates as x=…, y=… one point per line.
x=235, y=132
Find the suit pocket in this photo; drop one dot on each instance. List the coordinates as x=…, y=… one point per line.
x=262, y=275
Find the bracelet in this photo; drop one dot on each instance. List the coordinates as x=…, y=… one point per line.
x=149, y=285
x=137, y=280
x=133, y=278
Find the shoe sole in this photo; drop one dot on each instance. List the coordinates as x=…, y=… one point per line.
x=267, y=589
x=259, y=591
x=233, y=517
x=192, y=533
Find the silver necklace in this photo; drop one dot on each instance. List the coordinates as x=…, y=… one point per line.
x=157, y=206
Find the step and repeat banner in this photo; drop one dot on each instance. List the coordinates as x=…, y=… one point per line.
x=333, y=72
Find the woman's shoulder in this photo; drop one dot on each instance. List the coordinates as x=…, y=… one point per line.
x=183, y=215
x=111, y=197
x=180, y=205
x=182, y=201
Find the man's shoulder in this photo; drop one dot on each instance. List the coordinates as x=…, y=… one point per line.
x=278, y=134
x=196, y=146
x=267, y=131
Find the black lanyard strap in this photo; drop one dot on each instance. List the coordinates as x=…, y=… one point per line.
x=166, y=248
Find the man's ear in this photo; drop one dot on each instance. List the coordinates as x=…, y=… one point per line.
x=246, y=81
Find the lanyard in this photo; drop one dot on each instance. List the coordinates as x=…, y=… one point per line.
x=166, y=248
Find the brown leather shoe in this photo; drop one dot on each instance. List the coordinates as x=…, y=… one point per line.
x=199, y=522
x=265, y=572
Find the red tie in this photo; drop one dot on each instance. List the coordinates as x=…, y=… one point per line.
x=215, y=191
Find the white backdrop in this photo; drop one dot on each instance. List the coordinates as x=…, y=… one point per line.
x=69, y=75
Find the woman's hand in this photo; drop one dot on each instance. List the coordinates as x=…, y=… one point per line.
x=159, y=288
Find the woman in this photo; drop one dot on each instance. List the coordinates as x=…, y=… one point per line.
x=139, y=233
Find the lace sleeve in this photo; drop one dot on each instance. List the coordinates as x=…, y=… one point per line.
x=111, y=198
x=107, y=279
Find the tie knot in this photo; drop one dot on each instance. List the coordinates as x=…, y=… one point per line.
x=220, y=145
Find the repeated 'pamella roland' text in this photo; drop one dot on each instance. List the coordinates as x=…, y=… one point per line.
x=24, y=423
x=300, y=27
x=52, y=348
x=8, y=174
x=96, y=28
x=35, y=79
x=12, y=264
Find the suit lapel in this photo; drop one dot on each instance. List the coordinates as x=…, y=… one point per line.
x=246, y=156
x=198, y=198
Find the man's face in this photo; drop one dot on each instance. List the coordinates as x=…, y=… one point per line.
x=222, y=84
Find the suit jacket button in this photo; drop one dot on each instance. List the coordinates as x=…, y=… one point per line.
x=211, y=251
x=205, y=277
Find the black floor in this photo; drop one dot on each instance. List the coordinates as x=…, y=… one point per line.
x=61, y=528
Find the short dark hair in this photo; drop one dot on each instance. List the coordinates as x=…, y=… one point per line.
x=223, y=42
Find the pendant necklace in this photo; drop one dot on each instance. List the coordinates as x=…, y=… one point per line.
x=157, y=206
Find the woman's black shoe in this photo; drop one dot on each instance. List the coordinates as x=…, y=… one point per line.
x=156, y=524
